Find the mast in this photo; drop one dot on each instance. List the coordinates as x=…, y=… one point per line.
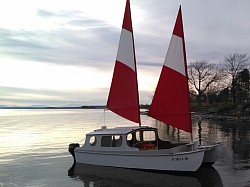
x=123, y=96
x=170, y=103
x=185, y=62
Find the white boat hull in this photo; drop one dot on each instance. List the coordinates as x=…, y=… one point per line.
x=148, y=160
x=212, y=153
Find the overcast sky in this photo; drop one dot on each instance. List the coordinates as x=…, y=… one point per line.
x=60, y=52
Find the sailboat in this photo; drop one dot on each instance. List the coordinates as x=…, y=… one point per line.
x=137, y=147
x=170, y=103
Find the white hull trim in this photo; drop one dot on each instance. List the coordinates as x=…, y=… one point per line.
x=183, y=161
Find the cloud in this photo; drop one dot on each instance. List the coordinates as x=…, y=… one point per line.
x=62, y=46
x=212, y=29
x=82, y=40
x=23, y=96
x=77, y=40
x=45, y=13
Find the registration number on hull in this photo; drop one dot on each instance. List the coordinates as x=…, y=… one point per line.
x=179, y=159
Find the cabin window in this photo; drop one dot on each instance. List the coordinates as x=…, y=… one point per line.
x=92, y=141
x=116, y=141
x=106, y=141
x=138, y=136
x=129, y=137
x=111, y=141
x=149, y=136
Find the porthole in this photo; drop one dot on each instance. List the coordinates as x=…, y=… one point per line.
x=92, y=141
x=129, y=137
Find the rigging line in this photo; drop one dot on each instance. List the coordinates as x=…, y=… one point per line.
x=81, y=140
x=104, y=116
x=101, y=119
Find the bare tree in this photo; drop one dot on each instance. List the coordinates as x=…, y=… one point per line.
x=201, y=75
x=233, y=64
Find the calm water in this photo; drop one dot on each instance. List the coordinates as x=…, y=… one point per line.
x=34, y=151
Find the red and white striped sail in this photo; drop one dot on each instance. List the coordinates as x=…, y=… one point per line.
x=123, y=96
x=171, y=99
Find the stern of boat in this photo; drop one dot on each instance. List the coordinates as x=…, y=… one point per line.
x=212, y=153
x=72, y=147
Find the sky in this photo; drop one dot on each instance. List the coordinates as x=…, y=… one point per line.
x=62, y=52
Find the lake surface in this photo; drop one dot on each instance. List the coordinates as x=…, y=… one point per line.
x=34, y=151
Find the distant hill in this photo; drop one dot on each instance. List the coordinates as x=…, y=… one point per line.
x=71, y=106
x=93, y=107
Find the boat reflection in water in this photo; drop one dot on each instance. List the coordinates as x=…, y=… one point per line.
x=92, y=175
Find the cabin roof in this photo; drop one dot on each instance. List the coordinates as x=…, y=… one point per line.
x=118, y=130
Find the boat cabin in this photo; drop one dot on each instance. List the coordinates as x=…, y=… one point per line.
x=120, y=138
